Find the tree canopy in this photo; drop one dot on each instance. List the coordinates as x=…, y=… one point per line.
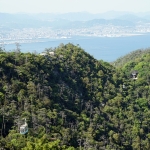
x=73, y=101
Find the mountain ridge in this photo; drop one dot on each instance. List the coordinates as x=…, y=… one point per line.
x=73, y=101
x=80, y=16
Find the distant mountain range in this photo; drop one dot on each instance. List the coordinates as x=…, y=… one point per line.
x=85, y=16
x=71, y=20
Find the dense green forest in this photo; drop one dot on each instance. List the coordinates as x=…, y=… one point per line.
x=133, y=56
x=72, y=101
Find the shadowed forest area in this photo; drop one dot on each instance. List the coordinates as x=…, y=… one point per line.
x=71, y=101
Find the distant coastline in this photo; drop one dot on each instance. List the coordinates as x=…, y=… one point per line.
x=36, y=40
x=106, y=48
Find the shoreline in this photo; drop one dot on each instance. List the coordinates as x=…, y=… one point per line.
x=40, y=40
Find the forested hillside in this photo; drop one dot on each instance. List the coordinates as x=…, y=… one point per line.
x=137, y=54
x=72, y=101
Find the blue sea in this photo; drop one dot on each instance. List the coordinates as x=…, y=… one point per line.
x=105, y=48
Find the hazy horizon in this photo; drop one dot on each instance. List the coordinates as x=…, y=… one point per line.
x=75, y=12
x=68, y=6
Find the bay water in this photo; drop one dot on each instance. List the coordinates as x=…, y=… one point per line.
x=105, y=48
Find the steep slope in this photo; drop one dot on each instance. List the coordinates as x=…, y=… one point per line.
x=72, y=101
x=136, y=101
x=63, y=94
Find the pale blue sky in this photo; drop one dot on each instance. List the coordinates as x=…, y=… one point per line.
x=63, y=6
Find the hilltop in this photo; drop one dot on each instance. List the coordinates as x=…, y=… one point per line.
x=73, y=101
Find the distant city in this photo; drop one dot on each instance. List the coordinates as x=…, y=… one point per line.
x=18, y=30
x=31, y=34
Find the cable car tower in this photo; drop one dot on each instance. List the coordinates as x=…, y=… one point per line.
x=24, y=128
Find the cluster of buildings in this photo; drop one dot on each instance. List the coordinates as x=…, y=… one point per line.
x=37, y=34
